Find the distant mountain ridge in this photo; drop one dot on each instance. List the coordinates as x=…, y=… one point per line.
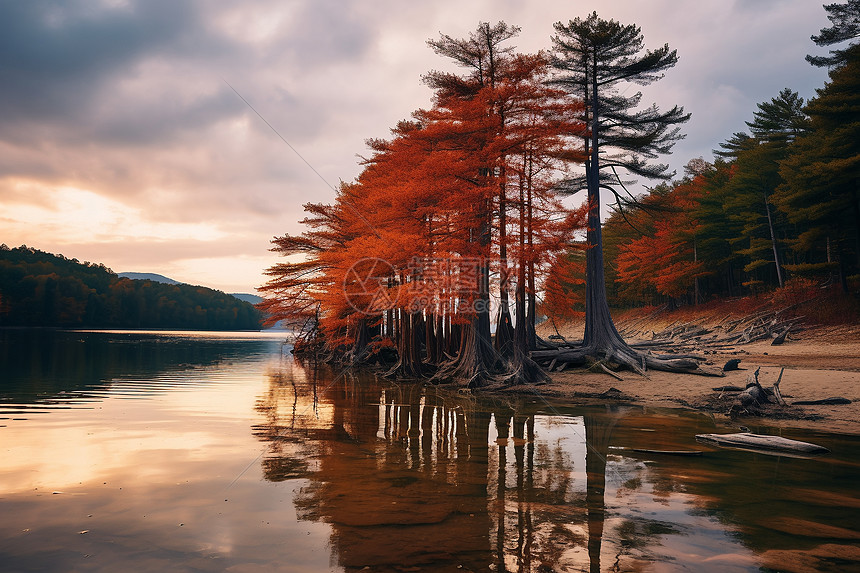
x=247, y=297
x=155, y=277
x=149, y=277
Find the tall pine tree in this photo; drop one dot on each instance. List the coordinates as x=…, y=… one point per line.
x=845, y=25
x=821, y=188
x=596, y=59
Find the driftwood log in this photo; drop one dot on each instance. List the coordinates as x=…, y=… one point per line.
x=729, y=388
x=755, y=398
x=761, y=442
x=729, y=332
x=677, y=348
x=754, y=394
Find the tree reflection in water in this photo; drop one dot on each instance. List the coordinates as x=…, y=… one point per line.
x=414, y=477
x=597, y=433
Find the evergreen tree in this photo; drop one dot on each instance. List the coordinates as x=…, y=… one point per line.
x=821, y=188
x=758, y=228
x=594, y=59
x=781, y=119
x=845, y=25
x=730, y=148
x=748, y=202
x=719, y=231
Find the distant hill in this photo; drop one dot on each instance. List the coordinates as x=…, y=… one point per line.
x=155, y=277
x=149, y=277
x=251, y=298
x=43, y=289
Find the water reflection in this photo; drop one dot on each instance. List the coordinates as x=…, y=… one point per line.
x=232, y=457
x=420, y=479
x=44, y=369
x=167, y=481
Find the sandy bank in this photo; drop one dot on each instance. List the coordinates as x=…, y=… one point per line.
x=821, y=362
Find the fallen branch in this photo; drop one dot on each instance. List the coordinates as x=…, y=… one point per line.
x=776, y=393
x=610, y=372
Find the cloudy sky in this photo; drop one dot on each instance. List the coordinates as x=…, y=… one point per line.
x=121, y=141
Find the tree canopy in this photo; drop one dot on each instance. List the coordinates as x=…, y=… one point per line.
x=459, y=193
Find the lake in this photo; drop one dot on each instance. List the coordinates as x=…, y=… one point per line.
x=182, y=451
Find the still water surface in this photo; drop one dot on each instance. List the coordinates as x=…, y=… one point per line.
x=130, y=451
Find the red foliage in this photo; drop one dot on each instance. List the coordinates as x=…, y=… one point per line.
x=430, y=196
x=665, y=259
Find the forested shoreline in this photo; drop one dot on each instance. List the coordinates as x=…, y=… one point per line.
x=43, y=289
x=459, y=232
x=780, y=203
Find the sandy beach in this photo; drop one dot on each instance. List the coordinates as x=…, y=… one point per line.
x=820, y=362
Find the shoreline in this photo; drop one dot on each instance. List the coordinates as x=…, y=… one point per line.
x=825, y=363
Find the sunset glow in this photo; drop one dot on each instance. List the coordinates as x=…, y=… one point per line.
x=122, y=144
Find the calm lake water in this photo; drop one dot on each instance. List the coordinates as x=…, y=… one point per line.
x=130, y=451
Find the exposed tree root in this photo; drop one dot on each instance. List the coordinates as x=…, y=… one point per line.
x=603, y=368
x=477, y=364
x=627, y=357
x=524, y=370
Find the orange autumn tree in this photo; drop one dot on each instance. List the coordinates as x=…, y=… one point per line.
x=293, y=293
x=535, y=149
x=530, y=125
x=563, y=289
x=431, y=206
x=666, y=258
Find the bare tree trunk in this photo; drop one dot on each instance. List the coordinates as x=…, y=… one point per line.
x=521, y=331
x=600, y=331
x=696, y=280
x=531, y=318
x=773, y=242
x=504, y=329
x=477, y=362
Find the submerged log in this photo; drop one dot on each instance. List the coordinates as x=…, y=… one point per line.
x=824, y=401
x=670, y=452
x=762, y=442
